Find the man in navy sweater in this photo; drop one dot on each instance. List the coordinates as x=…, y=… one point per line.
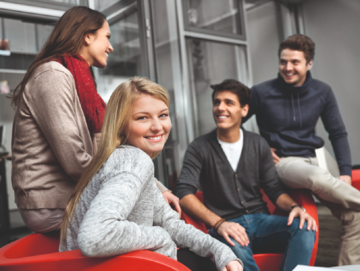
x=231, y=165
x=287, y=110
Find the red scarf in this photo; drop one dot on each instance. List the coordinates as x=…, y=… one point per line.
x=92, y=104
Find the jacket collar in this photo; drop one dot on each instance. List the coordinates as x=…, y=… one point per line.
x=288, y=88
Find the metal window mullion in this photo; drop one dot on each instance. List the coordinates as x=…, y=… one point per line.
x=91, y=4
x=215, y=38
x=180, y=114
x=248, y=59
x=145, y=35
x=25, y=9
x=189, y=98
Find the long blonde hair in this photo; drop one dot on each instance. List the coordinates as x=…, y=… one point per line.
x=114, y=133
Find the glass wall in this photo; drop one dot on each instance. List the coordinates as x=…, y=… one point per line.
x=184, y=45
x=125, y=61
x=25, y=41
x=210, y=63
x=168, y=71
x=213, y=16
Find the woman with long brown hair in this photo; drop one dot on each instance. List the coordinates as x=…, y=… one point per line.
x=116, y=207
x=59, y=116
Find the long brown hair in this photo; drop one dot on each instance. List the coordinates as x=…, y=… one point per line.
x=67, y=37
x=114, y=133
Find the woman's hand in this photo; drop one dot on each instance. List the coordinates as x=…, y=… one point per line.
x=172, y=199
x=233, y=266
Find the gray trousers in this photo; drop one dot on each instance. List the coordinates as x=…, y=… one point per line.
x=342, y=199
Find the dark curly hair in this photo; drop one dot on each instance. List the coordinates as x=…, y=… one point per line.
x=243, y=92
x=300, y=43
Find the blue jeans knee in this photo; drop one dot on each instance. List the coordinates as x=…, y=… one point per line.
x=307, y=238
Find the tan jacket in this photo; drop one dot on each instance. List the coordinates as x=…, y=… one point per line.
x=51, y=143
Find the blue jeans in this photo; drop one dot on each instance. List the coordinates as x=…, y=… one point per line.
x=270, y=234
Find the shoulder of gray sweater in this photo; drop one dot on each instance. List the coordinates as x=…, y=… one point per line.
x=128, y=159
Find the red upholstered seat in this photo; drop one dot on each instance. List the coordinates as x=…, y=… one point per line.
x=272, y=261
x=39, y=252
x=356, y=178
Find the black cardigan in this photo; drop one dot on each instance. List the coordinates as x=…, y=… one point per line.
x=227, y=193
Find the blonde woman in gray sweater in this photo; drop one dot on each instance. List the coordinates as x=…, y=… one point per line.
x=116, y=207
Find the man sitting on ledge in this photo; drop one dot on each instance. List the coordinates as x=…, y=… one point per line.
x=231, y=165
x=287, y=109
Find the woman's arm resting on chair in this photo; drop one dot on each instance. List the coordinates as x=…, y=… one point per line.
x=186, y=236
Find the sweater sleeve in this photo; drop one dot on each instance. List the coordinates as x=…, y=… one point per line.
x=189, y=178
x=187, y=236
x=161, y=187
x=269, y=180
x=335, y=126
x=105, y=230
x=51, y=103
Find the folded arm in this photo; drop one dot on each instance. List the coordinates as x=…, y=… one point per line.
x=105, y=230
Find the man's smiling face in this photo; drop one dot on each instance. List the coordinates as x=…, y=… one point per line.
x=227, y=110
x=293, y=67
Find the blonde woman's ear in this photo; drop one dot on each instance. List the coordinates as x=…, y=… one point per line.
x=118, y=141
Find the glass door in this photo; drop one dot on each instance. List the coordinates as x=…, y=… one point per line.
x=127, y=58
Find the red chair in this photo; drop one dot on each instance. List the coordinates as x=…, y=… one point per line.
x=356, y=178
x=38, y=252
x=271, y=261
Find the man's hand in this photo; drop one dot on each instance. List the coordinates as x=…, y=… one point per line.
x=233, y=266
x=172, y=199
x=298, y=212
x=275, y=157
x=236, y=231
x=345, y=178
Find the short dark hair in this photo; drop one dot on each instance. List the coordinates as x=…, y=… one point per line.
x=300, y=43
x=243, y=92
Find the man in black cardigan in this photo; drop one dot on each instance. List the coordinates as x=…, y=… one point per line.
x=231, y=165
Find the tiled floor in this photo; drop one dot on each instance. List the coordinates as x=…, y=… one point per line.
x=328, y=243
x=329, y=239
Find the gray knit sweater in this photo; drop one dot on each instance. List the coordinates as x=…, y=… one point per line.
x=122, y=210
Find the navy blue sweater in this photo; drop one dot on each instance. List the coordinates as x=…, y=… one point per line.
x=287, y=116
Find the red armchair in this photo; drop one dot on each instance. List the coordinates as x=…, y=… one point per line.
x=271, y=261
x=356, y=178
x=38, y=252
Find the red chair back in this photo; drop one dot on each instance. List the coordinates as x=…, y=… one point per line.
x=45, y=244
x=39, y=252
x=356, y=178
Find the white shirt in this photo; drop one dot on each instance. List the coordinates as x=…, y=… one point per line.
x=233, y=150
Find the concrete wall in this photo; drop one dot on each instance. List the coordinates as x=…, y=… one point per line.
x=263, y=38
x=334, y=27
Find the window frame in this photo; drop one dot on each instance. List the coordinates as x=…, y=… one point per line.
x=240, y=21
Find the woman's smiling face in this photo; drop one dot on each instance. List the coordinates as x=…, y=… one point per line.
x=149, y=124
x=98, y=47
